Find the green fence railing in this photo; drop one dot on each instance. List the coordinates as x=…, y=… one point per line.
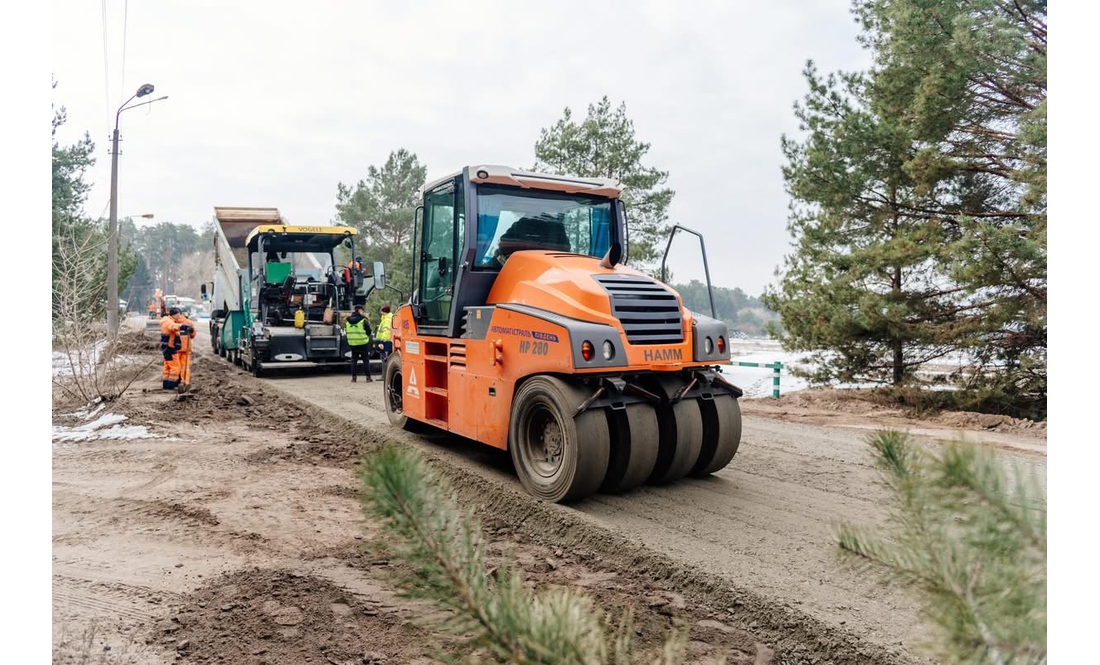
x=775, y=367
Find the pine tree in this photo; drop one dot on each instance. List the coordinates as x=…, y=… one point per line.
x=140, y=287
x=165, y=245
x=603, y=145
x=967, y=530
x=381, y=207
x=864, y=287
x=70, y=164
x=919, y=199
x=970, y=79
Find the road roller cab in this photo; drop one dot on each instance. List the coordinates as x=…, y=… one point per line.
x=525, y=332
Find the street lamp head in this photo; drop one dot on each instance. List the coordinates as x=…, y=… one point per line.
x=146, y=89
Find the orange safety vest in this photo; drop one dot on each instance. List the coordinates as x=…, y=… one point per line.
x=170, y=337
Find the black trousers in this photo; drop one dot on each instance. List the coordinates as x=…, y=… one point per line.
x=360, y=353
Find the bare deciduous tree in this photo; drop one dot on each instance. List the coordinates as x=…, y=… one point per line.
x=92, y=369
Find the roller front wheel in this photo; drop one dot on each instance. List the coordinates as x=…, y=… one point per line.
x=558, y=457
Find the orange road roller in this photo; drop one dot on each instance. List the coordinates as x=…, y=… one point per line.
x=525, y=331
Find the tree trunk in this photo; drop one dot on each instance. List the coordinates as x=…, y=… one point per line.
x=899, y=364
x=899, y=357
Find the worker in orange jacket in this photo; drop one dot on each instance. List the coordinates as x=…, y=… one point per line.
x=176, y=333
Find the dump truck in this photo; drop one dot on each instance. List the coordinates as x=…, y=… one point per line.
x=227, y=316
x=292, y=315
x=525, y=331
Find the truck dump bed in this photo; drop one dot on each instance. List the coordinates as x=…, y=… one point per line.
x=230, y=254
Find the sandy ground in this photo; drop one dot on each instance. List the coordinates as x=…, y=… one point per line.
x=225, y=538
x=861, y=410
x=155, y=538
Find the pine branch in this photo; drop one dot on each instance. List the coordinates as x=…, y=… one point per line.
x=980, y=564
x=445, y=549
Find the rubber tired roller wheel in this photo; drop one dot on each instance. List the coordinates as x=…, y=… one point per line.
x=721, y=435
x=557, y=457
x=634, y=445
x=681, y=436
x=392, y=395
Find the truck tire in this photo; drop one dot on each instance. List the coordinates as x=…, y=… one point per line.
x=392, y=395
x=558, y=457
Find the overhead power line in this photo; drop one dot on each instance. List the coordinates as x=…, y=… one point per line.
x=125, y=15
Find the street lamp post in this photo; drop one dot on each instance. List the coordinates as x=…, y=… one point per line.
x=112, y=233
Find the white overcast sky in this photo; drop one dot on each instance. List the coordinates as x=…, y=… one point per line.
x=272, y=103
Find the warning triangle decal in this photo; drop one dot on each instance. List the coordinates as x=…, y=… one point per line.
x=412, y=377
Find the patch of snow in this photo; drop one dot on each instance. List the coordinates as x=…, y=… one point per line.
x=126, y=432
x=104, y=420
x=104, y=427
x=83, y=359
x=84, y=414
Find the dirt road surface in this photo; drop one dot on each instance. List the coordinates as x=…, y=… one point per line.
x=171, y=534
x=224, y=527
x=764, y=524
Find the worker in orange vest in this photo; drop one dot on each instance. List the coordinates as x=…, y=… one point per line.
x=176, y=333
